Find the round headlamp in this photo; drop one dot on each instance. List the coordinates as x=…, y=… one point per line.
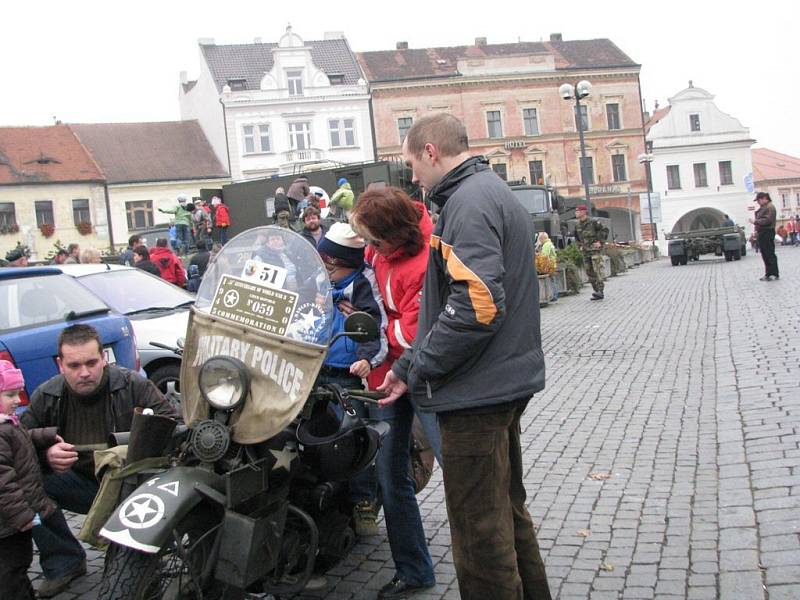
x=224, y=382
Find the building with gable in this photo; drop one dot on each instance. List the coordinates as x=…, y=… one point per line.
x=779, y=175
x=507, y=96
x=702, y=165
x=50, y=184
x=276, y=108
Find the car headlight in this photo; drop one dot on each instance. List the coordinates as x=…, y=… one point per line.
x=224, y=382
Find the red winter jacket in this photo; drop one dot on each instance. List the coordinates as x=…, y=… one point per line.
x=400, y=278
x=222, y=217
x=170, y=265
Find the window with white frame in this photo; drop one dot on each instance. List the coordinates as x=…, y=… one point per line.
x=342, y=132
x=618, y=167
x=797, y=198
x=584, y=117
x=725, y=173
x=256, y=138
x=612, y=114
x=403, y=125
x=44, y=213
x=700, y=176
x=536, y=169
x=530, y=119
x=494, y=126
x=785, y=198
x=294, y=81
x=300, y=135
x=8, y=216
x=588, y=170
x=673, y=177
x=694, y=122
x=139, y=213
x=80, y=211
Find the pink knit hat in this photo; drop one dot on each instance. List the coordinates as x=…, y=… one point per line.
x=10, y=377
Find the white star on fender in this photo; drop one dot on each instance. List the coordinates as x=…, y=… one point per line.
x=284, y=457
x=142, y=511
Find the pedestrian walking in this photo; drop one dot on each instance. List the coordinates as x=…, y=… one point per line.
x=764, y=221
x=591, y=236
x=476, y=360
x=183, y=223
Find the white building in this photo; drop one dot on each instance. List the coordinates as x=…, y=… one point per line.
x=701, y=161
x=271, y=108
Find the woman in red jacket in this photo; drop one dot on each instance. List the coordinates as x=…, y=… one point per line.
x=398, y=231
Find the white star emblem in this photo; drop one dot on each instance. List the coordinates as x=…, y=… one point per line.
x=284, y=457
x=231, y=299
x=142, y=511
x=308, y=320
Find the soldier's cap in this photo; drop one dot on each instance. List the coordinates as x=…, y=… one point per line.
x=582, y=207
x=17, y=253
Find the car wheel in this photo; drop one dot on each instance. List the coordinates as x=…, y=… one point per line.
x=166, y=373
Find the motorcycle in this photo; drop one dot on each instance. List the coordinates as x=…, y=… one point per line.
x=254, y=499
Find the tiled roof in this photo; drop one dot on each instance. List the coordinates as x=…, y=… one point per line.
x=139, y=152
x=252, y=61
x=768, y=164
x=44, y=155
x=659, y=114
x=423, y=63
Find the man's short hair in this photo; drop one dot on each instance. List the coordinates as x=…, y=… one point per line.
x=134, y=239
x=72, y=247
x=761, y=195
x=203, y=245
x=311, y=211
x=143, y=252
x=78, y=334
x=442, y=130
x=161, y=243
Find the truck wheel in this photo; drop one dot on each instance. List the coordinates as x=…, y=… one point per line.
x=737, y=254
x=728, y=255
x=675, y=260
x=684, y=259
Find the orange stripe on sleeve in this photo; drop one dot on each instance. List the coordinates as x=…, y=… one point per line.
x=479, y=294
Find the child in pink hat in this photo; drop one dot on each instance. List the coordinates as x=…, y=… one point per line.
x=23, y=501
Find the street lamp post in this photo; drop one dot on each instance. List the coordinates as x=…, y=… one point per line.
x=582, y=90
x=646, y=159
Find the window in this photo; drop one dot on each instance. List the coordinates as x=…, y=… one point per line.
x=140, y=214
x=336, y=78
x=403, y=125
x=584, y=117
x=342, y=132
x=294, y=79
x=785, y=195
x=7, y=215
x=618, y=167
x=673, y=177
x=700, y=178
x=536, y=169
x=500, y=169
x=612, y=114
x=725, y=173
x=797, y=198
x=256, y=138
x=300, y=135
x=694, y=122
x=237, y=84
x=531, y=121
x=588, y=169
x=80, y=212
x=44, y=213
x=493, y=124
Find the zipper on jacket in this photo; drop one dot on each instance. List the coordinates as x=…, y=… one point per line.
x=428, y=389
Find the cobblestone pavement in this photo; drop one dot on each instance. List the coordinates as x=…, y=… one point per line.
x=662, y=459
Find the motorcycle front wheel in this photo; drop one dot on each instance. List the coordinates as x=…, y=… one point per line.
x=171, y=574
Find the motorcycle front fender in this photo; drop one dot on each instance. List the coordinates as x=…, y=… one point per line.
x=146, y=518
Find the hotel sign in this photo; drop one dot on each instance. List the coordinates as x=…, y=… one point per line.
x=514, y=144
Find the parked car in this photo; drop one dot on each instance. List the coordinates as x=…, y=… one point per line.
x=36, y=303
x=158, y=310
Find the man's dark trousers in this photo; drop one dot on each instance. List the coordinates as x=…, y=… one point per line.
x=766, y=242
x=494, y=545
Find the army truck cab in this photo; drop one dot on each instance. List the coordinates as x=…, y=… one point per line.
x=684, y=246
x=543, y=206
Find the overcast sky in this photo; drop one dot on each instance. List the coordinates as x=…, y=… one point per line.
x=90, y=61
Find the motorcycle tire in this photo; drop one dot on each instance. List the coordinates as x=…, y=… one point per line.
x=134, y=575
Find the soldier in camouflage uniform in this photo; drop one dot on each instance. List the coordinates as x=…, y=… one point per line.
x=591, y=236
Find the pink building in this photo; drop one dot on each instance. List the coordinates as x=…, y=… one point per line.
x=507, y=96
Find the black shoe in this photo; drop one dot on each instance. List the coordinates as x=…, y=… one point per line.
x=397, y=588
x=765, y=278
x=597, y=295
x=53, y=587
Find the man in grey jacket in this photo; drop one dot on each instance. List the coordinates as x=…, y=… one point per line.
x=477, y=359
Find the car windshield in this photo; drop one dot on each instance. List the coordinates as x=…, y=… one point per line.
x=534, y=200
x=132, y=290
x=29, y=301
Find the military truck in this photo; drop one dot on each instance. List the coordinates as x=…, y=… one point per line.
x=684, y=246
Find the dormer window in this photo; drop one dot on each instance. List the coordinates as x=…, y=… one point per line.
x=237, y=84
x=44, y=160
x=336, y=78
x=294, y=80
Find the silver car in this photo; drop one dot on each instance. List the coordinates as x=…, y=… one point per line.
x=157, y=309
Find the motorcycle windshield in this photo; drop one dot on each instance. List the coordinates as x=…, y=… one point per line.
x=271, y=279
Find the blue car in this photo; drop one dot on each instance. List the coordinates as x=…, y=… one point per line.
x=36, y=303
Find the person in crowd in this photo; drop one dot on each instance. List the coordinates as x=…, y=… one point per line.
x=60, y=257
x=23, y=501
x=87, y=400
x=18, y=256
x=297, y=192
x=754, y=242
x=764, y=222
x=790, y=230
x=141, y=260
x=183, y=223
x=476, y=360
x=169, y=265
x=727, y=221
x=201, y=221
x=126, y=256
x=90, y=256
x=591, y=236
x=222, y=219
x=74, y=251
x=313, y=230
x=202, y=256
x=546, y=248
x=342, y=200
x=783, y=233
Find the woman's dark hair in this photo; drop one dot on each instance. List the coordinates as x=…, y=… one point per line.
x=388, y=214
